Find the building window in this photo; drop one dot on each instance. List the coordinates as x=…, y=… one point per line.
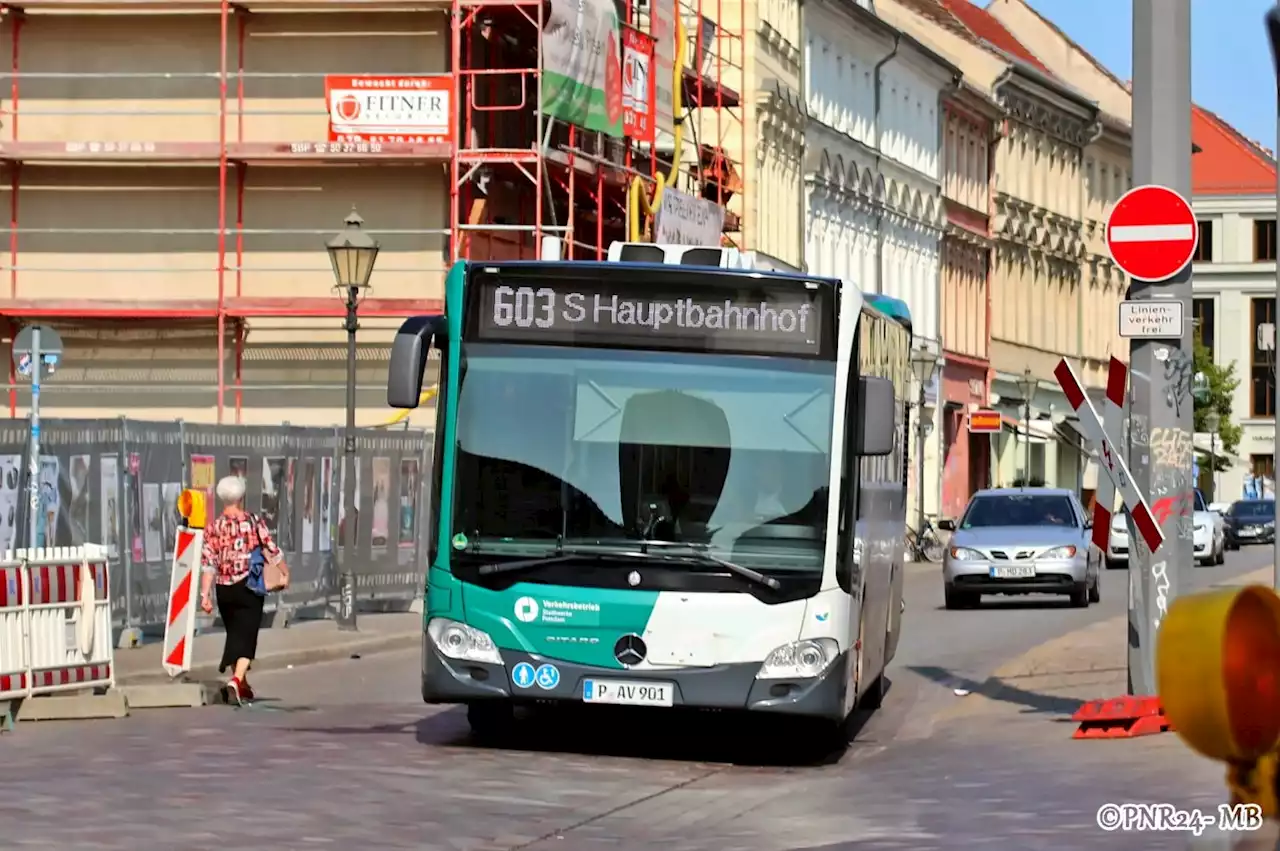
x=1202, y=312
x=1204, y=247
x=1264, y=239
x=1262, y=385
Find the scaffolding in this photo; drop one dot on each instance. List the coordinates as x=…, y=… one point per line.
x=510, y=175
x=519, y=175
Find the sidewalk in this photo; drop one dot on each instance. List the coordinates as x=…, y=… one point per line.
x=1052, y=679
x=302, y=643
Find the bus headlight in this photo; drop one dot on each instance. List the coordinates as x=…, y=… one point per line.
x=466, y=643
x=799, y=659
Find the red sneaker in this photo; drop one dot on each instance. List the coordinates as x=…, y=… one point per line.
x=232, y=692
x=246, y=693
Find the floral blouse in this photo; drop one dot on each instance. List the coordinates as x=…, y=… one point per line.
x=228, y=542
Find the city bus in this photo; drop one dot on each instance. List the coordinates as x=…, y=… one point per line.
x=659, y=485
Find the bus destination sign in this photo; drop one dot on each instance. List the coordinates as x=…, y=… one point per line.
x=752, y=319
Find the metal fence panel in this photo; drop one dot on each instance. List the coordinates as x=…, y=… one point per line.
x=116, y=482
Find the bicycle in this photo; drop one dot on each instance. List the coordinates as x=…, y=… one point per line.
x=926, y=545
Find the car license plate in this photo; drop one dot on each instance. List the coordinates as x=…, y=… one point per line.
x=1022, y=571
x=1248, y=533
x=628, y=693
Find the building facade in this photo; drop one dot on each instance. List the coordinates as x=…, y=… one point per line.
x=1036, y=295
x=1234, y=288
x=970, y=120
x=1233, y=183
x=873, y=205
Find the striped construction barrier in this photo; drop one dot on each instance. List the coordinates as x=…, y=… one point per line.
x=55, y=622
x=1112, y=425
x=184, y=591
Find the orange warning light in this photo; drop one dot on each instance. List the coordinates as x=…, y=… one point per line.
x=191, y=505
x=1218, y=672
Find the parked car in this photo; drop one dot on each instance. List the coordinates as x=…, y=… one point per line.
x=1021, y=541
x=1250, y=521
x=1209, y=536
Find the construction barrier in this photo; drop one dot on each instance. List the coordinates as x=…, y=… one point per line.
x=55, y=622
x=184, y=588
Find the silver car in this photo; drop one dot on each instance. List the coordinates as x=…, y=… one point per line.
x=1021, y=541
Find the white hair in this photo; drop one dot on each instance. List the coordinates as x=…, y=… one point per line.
x=231, y=489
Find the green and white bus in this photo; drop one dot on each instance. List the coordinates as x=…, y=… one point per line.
x=661, y=485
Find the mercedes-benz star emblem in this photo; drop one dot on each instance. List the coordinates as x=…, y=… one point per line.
x=630, y=650
x=633, y=578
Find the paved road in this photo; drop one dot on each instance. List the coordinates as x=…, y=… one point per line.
x=346, y=756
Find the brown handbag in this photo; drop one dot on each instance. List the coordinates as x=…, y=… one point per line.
x=275, y=574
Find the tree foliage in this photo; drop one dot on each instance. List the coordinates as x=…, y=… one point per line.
x=1222, y=388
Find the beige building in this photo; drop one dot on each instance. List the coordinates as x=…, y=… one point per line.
x=172, y=186
x=1039, y=297
x=772, y=204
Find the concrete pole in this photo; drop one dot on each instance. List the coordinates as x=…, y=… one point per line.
x=1273, y=33
x=1162, y=371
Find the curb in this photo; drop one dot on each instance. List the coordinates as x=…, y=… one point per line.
x=280, y=659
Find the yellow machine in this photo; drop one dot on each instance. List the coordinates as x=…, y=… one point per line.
x=1218, y=675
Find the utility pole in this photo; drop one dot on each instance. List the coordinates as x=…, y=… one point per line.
x=1162, y=371
x=1273, y=33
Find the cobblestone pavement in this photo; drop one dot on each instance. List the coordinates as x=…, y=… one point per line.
x=344, y=755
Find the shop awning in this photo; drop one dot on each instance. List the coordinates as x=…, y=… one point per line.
x=1036, y=431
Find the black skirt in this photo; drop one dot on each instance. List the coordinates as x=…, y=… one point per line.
x=241, y=612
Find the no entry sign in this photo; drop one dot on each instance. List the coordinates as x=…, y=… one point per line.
x=1151, y=233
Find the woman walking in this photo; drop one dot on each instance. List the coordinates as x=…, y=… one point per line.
x=229, y=545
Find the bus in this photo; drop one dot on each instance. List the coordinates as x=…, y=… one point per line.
x=659, y=485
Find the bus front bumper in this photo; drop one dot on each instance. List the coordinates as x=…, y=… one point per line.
x=727, y=687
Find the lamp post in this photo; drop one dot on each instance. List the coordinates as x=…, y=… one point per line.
x=1028, y=386
x=923, y=363
x=352, y=253
x=1212, y=422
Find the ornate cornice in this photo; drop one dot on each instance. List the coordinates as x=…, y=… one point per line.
x=1039, y=115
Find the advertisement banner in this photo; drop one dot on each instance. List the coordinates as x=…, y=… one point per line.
x=404, y=110
x=582, y=65
x=662, y=26
x=637, y=85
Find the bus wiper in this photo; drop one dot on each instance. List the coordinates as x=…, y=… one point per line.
x=698, y=552
x=695, y=554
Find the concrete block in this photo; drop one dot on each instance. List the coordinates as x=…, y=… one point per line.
x=73, y=707
x=169, y=695
x=130, y=637
x=7, y=708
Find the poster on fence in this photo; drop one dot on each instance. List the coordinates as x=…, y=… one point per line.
x=50, y=502
x=288, y=531
x=272, y=480
x=135, y=512
x=204, y=477
x=169, y=496
x=409, y=485
x=10, y=483
x=326, y=503
x=308, y=506
x=381, y=531
x=154, y=522
x=109, y=479
x=81, y=500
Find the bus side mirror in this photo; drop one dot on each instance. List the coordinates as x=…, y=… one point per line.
x=409, y=358
x=878, y=410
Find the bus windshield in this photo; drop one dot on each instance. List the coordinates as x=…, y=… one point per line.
x=589, y=445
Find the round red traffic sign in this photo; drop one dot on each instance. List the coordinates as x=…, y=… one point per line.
x=1152, y=233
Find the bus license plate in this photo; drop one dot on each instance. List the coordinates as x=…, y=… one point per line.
x=1020, y=572
x=628, y=693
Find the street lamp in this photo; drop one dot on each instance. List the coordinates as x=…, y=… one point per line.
x=1028, y=386
x=923, y=363
x=1212, y=422
x=352, y=253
